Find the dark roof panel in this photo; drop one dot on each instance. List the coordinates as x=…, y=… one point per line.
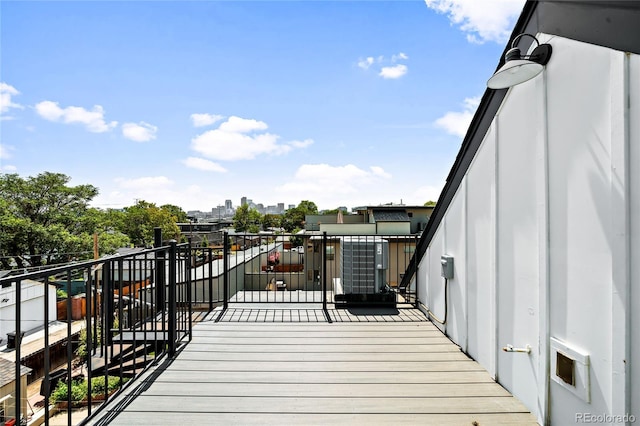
x=390, y=216
x=8, y=372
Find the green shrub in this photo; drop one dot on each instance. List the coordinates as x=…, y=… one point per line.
x=81, y=350
x=59, y=393
x=113, y=383
x=79, y=389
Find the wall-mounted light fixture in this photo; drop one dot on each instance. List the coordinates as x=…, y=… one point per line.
x=519, y=68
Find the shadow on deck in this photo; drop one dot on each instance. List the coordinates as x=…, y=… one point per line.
x=313, y=313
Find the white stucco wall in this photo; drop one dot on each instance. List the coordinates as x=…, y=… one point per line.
x=32, y=296
x=544, y=230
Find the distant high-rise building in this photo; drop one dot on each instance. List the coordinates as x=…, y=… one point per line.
x=280, y=208
x=291, y=206
x=228, y=205
x=243, y=201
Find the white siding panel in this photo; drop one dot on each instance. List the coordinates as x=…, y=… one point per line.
x=435, y=283
x=455, y=246
x=580, y=215
x=517, y=242
x=480, y=184
x=634, y=179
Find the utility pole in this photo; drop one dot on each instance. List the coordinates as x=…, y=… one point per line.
x=96, y=253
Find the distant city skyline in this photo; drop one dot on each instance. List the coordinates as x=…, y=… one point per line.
x=228, y=208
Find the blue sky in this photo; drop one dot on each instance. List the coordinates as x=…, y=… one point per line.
x=192, y=103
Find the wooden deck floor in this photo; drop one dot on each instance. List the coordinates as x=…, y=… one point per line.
x=373, y=372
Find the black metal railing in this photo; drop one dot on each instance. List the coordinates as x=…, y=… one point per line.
x=294, y=268
x=85, y=331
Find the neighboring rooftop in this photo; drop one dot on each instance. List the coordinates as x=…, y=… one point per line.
x=8, y=372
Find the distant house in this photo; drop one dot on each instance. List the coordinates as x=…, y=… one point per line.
x=399, y=225
x=372, y=220
x=33, y=301
x=540, y=221
x=8, y=398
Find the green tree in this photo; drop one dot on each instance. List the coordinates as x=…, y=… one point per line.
x=39, y=219
x=179, y=215
x=430, y=203
x=329, y=212
x=143, y=217
x=108, y=224
x=247, y=219
x=271, y=221
x=293, y=219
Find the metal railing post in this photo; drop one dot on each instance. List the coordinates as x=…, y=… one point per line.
x=107, y=296
x=416, y=303
x=324, y=277
x=47, y=349
x=18, y=342
x=210, y=280
x=171, y=316
x=189, y=297
x=225, y=267
x=160, y=271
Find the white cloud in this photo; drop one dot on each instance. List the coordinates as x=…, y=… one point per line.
x=93, y=120
x=242, y=125
x=144, y=183
x=393, y=72
x=386, y=68
x=325, y=183
x=366, y=63
x=395, y=58
x=202, y=164
x=6, y=92
x=5, y=154
x=457, y=122
x=428, y=193
x=301, y=144
x=158, y=190
x=141, y=132
x=201, y=120
x=241, y=139
x=379, y=171
x=5, y=151
x=487, y=20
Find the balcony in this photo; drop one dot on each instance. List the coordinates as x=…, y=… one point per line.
x=278, y=329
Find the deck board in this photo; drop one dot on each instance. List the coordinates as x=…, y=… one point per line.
x=292, y=367
x=347, y=419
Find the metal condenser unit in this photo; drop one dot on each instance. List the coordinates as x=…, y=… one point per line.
x=363, y=266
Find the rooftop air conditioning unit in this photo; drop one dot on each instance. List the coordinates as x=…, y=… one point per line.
x=363, y=266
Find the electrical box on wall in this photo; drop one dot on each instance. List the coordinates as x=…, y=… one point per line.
x=446, y=262
x=570, y=369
